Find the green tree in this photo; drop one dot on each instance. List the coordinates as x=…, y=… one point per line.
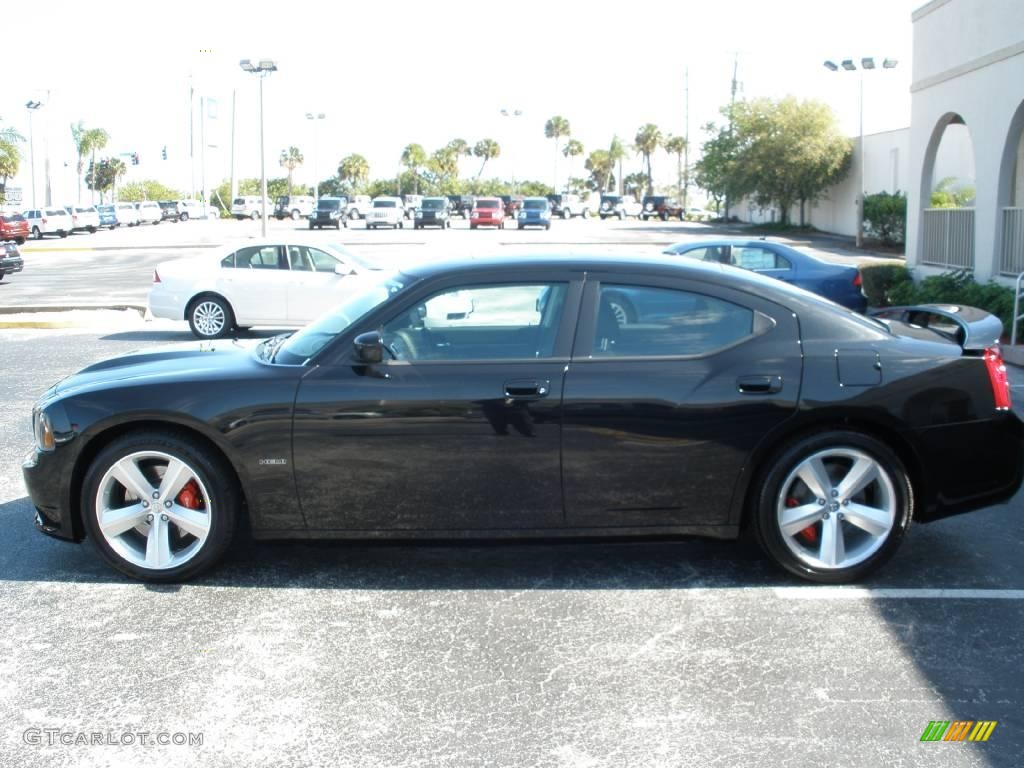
x=486, y=149
x=556, y=128
x=635, y=183
x=600, y=164
x=291, y=159
x=87, y=141
x=573, y=148
x=647, y=141
x=10, y=160
x=948, y=194
x=354, y=171
x=676, y=145
x=104, y=175
x=616, y=154
x=414, y=158
x=716, y=170
x=885, y=216
x=149, y=189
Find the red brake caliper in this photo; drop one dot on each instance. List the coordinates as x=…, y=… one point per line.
x=189, y=496
x=808, y=534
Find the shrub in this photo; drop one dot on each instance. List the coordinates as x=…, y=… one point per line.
x=958, y=288
x=880, y=280
x=885, y=217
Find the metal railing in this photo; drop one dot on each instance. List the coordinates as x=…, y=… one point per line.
x=948, y=237
x=1011, y=260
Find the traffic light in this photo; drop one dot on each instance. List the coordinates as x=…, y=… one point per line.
x=135, y=158
x=164, y=153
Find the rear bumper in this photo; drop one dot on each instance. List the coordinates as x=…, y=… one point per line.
x=163, y=303
x=970, y=466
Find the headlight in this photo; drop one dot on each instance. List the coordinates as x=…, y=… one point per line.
x=43, y=430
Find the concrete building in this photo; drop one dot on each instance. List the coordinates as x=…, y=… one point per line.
x=968, y=75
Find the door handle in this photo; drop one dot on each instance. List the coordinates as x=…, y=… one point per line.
x=527, y=389
x=759, y=385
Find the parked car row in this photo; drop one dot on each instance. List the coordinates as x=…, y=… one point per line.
x=62, y=221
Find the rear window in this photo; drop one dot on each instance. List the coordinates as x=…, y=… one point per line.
x=13, y=217
x=239, y=201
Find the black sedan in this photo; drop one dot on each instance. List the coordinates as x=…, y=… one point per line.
x=506, y=398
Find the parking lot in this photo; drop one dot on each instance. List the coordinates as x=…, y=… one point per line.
x=649, y=653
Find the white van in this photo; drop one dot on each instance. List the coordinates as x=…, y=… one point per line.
x=294, y=207
x=247, y=207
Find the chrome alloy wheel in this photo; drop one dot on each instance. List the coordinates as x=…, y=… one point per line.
x=209, y=318
x=152, y=509
x=836, y=508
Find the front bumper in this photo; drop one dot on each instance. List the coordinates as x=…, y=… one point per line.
x=10, y=265
x=43, y=479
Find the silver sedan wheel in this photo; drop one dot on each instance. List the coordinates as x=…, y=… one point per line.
x=836, y=508
x=151, y=508
x=209, y=318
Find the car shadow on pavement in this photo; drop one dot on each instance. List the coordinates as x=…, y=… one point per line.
x=944, y=555
x=186, y=335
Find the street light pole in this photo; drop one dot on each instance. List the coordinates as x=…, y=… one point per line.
x=261, y=69
x=316, y=149
x=848, y=66
x=515, y=113
x=32, y=106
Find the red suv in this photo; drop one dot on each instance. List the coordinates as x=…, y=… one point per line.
x=487, y=212
x=13, y=226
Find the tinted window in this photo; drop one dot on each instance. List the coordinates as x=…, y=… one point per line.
x=636, y=321
x=535, y=205
x=496, y=322
x=328, y=205
x=384, y=204
x=487, y=204
x=257, y=257
x=754, y=257
x=432, y=204
x=715, y=253
x=239, y=201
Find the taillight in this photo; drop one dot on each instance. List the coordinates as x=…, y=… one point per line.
x=156, y=276
x=997, y=376
x=857, y=281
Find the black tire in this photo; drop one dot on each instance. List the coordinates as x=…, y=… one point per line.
x=603, y=217
x=472, y=226
x=19, y=240
x=311, y=225
x=2, y=275
x=643, y=217
x=520, y=226
x=566, y=214
x=92, y=230
x=547, y=226
x=295, y=215
x=202, y=330
x=183, y=217
x=622, y=216
x=254, y=216
x=664, y=216
x=62, y=233
x=780, y=465
x=211, y=469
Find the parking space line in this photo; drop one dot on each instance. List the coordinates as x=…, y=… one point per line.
x=867, y=593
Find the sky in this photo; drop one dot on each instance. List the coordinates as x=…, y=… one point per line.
x=388, y=74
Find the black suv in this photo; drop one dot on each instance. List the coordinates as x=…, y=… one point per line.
x=329, y=212
x=433, y=212
x=461, y=205
x=663, y=207
x=169, y=211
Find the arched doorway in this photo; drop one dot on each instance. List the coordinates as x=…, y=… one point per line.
x=1011, y=198
x=947, y=196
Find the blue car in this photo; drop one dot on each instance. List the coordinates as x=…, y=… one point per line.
x=838, y=282
x=108, y=217
x=536, y=212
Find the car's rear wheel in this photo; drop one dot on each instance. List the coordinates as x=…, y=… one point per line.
x=295, y=215
x=254, y=215
x=159, y=507
x=833, y=506
x=566, y=214
x=210, y=317
x=19, y=240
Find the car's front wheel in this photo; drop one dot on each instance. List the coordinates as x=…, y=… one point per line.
x=254, y=215
x=210, y=317
x=158, y=506
x=833, y=506
x=183, y=217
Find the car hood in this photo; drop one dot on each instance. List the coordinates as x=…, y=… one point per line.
x=180, y=361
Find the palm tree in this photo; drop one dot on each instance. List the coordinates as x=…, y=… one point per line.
x=555, y=128
x=488, y=149
x=600, y=165
x=414, y=157
x=10, y=159
x=354, y=169
x=459, y=148
x=647, y=141
x=573, y=148
x=98, y=139
x=616, y=152
x=87, y=141
x=676, y=145
x=291, y=159
x=117, y=169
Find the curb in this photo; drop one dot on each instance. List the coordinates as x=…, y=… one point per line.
x=32, y=308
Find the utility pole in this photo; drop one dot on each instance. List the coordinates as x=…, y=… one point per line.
x=191, y=141
x=202, y=148
x=686, y=147
x=732, y=103
x=234, y=186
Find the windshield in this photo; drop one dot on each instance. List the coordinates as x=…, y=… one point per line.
x=487, y=203
x=535, y=205
x=433, y=204
x=359, y=294
x=383, y=203
x=328, y=205
x=610, y=199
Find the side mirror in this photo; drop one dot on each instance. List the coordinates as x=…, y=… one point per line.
x=369, y=348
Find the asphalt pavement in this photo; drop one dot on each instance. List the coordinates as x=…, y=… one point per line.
x=653, y=653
